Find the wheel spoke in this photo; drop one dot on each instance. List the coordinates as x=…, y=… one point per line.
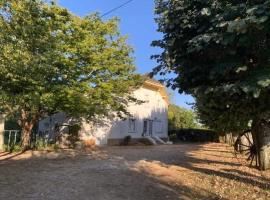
x=244, y=145
x=244, y=149
x=249, y=157
x=248, y=154
x=252, y=158
x=248, y=139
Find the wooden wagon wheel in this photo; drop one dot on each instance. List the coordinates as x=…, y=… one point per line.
x=245, y=146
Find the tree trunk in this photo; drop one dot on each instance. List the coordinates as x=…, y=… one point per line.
x=261, y=138
x=25, y=137
x=27, y=123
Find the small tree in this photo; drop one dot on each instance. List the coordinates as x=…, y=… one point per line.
x=52, y=61
x=220, y=52
x=181, y=118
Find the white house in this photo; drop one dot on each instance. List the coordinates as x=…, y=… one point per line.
x=149, y=119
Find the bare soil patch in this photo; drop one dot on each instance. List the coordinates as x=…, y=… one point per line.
x=182, y=171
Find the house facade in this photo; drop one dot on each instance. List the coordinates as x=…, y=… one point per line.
x=149, y=119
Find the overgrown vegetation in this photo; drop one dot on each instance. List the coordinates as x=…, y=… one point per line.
x=73, y=134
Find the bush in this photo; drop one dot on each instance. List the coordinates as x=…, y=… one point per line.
x=146, y=141
x=194, y=135
x=40, y=144
x=73, y=136
x=54, y=147
x=126, y=140
x=17, y=148
x=13, y=148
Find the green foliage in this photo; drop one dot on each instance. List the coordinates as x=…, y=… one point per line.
x=11, y=140
x=181, y=118
x=74, y=129
x=12, y=148
x=73, y=135
x=220, y=52
x=41, y=144
x=194, y=135
x=52, y=61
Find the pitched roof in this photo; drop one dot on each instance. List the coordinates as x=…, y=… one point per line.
x=158, y=86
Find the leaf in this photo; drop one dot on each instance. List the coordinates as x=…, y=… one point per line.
x=239, y=69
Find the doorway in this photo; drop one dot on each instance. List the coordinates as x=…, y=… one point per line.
x=148, y=127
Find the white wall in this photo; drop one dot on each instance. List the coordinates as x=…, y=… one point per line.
x=154, y=108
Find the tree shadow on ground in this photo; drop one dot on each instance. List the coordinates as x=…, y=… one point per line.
x=9, y=156
x=119, y=173
x=225, y=170
x=4, y=154
x=87, y=175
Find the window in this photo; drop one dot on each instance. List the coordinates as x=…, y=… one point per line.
x=131, y=125
x=159, y=126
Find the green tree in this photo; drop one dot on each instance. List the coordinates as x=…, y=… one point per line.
x=181, y=118
x=52, y=61
x=220, y=52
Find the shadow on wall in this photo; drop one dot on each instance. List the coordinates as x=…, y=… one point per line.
x=152, y=120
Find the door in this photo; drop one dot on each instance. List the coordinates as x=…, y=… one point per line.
x=147, y=127
x=145, y=124
x=150, y=128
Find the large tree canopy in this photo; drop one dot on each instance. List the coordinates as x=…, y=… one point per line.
x=52, y=61
x=220, y=52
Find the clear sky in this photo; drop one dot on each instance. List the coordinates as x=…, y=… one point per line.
x=137, y=22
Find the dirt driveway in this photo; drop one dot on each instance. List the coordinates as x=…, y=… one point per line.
x=184, y=171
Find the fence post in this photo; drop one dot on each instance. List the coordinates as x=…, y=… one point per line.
x=2, y=127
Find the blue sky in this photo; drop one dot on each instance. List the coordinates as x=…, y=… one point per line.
x=137, y=22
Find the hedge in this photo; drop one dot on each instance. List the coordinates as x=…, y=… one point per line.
x=194, y=135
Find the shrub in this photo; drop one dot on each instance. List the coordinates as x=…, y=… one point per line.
x=146, y=141
x=73, y=136
x=126, y=140
x=194, y=135
x=13, y=148
x=40, y=144
x=54, y=147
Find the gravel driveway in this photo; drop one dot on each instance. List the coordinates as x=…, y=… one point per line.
x=184, y=171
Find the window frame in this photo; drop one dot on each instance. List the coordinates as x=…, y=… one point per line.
x=131, y=125
x=159, y=126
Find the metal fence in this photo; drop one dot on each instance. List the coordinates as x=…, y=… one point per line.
x=11, y=138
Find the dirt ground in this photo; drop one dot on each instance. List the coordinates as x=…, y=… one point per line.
x=182, y=171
